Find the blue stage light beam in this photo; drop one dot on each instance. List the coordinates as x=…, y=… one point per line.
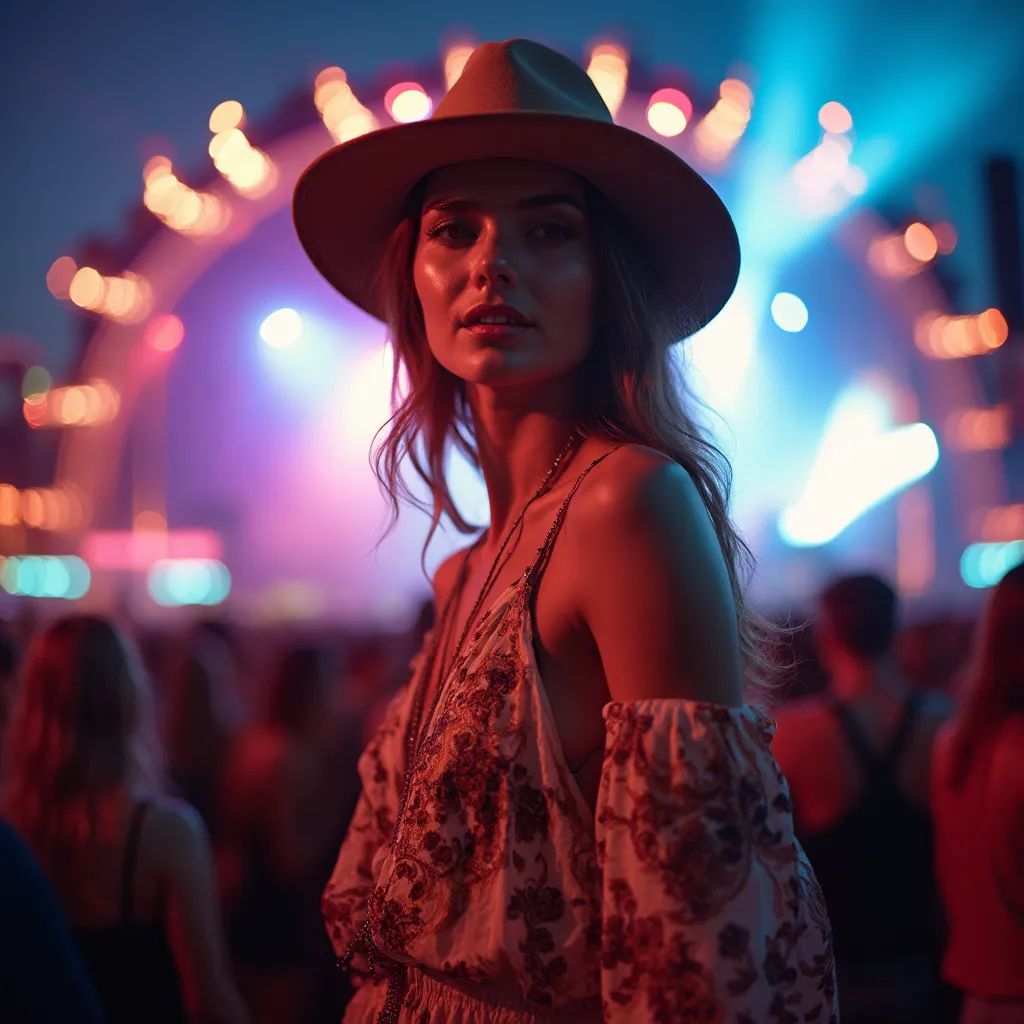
x=862, y=460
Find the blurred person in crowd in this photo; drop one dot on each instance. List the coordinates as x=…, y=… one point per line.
x=978, y=804
x=284, y=806
x=42, y=977
x=857, y=759
x=131, y=867
x=367, y=686
x=8, y=668
x=200, y=718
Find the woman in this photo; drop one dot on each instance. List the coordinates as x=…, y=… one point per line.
x=978, y=805
x=498, y=867
x=131, y=868
x=282, y=821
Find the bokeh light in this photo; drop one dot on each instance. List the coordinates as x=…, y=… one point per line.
x=164, y=333
x=455, y=58
x=722, y=127
x=921, y=242
x=609, y=71
x=835, y=118
x=60, y=275
x=985, y=564
x=64, y=577
x=188, y=581
x=282, y=328
x=789, y=312
x=227, y=115
x=407, y=102
x=669, y=112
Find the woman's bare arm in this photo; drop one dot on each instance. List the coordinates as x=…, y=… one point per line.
x=653, y=584
x=194, y=923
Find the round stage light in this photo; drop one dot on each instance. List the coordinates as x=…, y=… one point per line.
x=834, y=117
x=921, y=242
x=669, y=111
x=282, y=328
x=407, y=102
x=227, y=115
x=789, y=312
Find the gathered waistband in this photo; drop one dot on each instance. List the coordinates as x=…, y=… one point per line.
x=436, y=998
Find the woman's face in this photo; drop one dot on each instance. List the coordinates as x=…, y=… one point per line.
x=510, y=232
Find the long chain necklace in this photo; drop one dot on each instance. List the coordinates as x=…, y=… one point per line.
x=414, y=741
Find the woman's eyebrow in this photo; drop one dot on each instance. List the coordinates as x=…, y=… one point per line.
x=530, y=203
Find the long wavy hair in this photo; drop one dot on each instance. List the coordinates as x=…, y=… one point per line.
x=80, y=732
x=993, y=683
x=636, y=389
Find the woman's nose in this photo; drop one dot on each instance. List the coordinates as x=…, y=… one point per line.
x=493, y=267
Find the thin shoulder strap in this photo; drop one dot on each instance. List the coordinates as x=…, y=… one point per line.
x=131, y=853
x=871, y=762
x=544, y=551
x=901, y=736
x=855, y=737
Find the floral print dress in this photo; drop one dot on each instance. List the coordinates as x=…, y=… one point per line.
x=685, y=897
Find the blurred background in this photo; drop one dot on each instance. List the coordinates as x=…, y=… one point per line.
x=221, y=394
x=186, y=408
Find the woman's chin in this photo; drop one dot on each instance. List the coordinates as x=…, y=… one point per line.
x=502, y=367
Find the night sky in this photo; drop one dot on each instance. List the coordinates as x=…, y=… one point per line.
x=90, y=90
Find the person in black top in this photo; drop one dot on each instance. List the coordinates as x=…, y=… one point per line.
x=131, y=868
x=857, y=760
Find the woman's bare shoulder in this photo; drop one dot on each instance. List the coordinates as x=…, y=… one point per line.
x=652, y=585
x=175, y=826
x=638, y=486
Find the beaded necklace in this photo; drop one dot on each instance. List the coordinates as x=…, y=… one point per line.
x=397, y=973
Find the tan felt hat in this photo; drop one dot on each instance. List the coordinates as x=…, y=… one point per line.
x=518, y=99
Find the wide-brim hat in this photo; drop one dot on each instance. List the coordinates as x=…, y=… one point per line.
x=518, y=99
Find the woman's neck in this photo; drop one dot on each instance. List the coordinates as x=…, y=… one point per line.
x=517, y=449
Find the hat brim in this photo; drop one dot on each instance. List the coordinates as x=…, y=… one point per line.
x=347, y=202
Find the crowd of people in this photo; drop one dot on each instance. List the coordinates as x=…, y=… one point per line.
x=172, y=805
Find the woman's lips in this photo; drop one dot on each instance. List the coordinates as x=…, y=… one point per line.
x=496, y=330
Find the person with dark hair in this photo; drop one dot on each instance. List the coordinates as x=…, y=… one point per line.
x=571, y=812
x=978, y=801
x=857, y=759
x=131, y=867
x=282, y=816
x=201, y=717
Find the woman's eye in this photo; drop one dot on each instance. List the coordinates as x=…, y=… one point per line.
x=561, y=231
x=457, y=231
x=438, y=230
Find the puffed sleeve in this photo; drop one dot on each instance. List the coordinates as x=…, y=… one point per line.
x=710, y=909
x=380, y=766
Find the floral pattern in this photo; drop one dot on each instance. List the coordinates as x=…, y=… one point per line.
x=684, y=898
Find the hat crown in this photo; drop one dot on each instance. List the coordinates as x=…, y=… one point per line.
x=518, y=76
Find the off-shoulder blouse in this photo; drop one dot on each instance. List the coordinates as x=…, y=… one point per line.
x=684, y=897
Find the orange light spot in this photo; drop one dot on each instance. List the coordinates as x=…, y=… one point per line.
x=10, y=505
x=227, y=115
x=737, y=92
x=992, y=328
x=33, y=511
x=921, y=242
x=86, y=290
